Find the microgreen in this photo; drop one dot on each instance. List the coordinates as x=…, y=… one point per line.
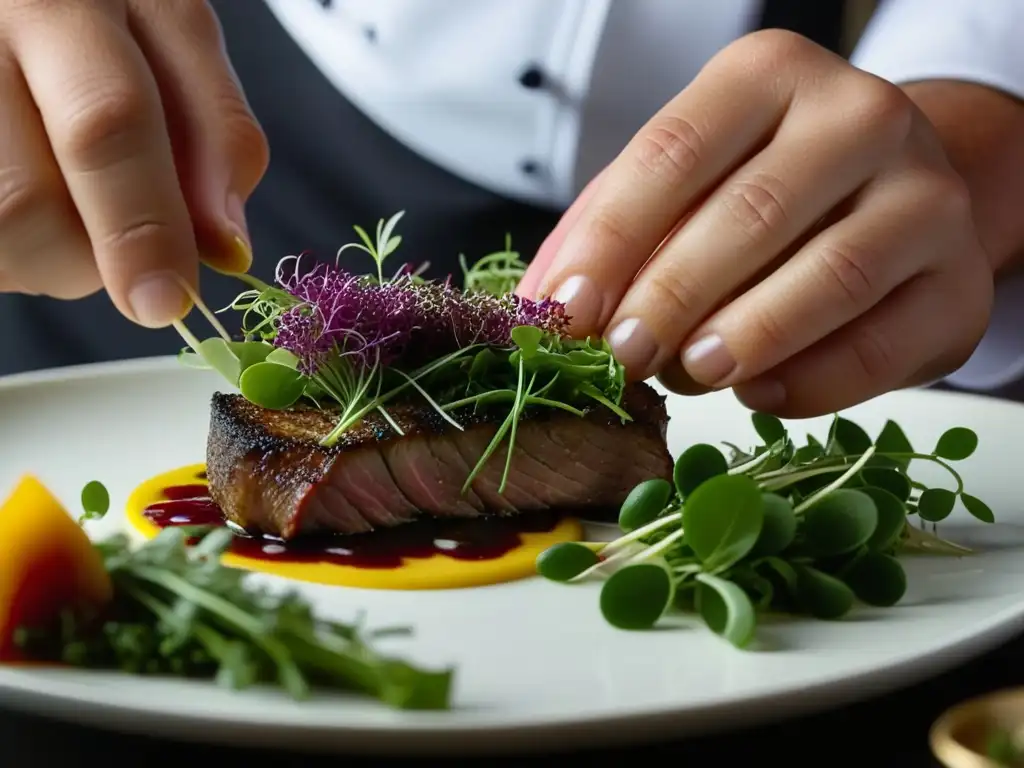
x=808, y=529
x=177, y=611
x=356, y=345
x=95, y=501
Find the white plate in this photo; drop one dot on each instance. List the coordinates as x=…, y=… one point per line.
x=537, y=666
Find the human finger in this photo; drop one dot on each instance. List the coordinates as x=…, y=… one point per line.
x=101, y=108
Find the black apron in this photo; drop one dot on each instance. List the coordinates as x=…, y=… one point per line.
x=331, y=167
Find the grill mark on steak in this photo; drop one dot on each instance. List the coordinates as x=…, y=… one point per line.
x=269, y=473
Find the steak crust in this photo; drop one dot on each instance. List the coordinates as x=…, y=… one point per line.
x=269, y=474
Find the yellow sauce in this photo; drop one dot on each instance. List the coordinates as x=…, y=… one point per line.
x=436, y=572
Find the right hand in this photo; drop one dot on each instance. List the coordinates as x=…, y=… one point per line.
x=127, y=152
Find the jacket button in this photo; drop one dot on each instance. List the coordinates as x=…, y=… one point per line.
x=529, y=167
x=532, y=77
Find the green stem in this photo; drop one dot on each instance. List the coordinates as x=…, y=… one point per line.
x=814, y=498
x=639, y=533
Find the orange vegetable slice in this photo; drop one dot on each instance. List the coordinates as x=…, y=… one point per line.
x=47, y=563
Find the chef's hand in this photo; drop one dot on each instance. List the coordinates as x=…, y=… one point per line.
x=788, y=226
x=127, y=149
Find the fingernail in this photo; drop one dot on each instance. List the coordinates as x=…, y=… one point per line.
x=582, y=302
x=157, y=300
x=708, y=361
x=633, y=345
x=762, y=394
x=234, y=258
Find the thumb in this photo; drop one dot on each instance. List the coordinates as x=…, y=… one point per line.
x=540, y=263
x=220, y=150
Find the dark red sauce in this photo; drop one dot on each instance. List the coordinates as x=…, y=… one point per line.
x=479, y=539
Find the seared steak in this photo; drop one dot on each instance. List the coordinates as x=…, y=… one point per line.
x=268, y=472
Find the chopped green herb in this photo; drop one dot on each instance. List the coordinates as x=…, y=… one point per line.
x=177, y=611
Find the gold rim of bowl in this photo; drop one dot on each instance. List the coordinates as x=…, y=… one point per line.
x=958, y=738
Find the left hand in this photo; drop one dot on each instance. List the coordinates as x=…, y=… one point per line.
x=788, y=226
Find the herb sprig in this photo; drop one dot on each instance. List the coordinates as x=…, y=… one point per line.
x=359, y=345
x=805, y=530
x=178, y=612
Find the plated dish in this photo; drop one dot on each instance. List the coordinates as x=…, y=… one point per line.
x=252, y=569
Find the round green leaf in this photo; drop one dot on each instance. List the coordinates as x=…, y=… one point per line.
x=221, y=357
x=565, y=561
x=272, y=386
x=644, y=503
x=779, y=527
x=822, y=596
x=636, y=596
x=723, y=520
x=877, y=579
x=95, y=499
x=978, y=508
x=283, y=357
x=769, y=428
x=956, y=444
x=726, y=609
x=697, y=464
x=251, y=352
x=892, y=516
x=891, y=480
x=935, y=504
x=840, y=522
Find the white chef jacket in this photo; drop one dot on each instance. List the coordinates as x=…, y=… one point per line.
x=530, y=98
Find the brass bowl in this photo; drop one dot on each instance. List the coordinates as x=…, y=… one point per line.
x=959, y=738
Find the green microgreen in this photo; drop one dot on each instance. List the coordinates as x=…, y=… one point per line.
x=807, y=530
x=363, y=346
x=95, y=500
x=176, y=611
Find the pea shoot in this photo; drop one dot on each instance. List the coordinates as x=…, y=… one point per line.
x=807, y=530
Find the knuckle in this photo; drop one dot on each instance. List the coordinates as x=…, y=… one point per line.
x=881, y=110
x=844, y=267
x=768, y=50
x=673, y=297
x=21, y=197
x=948, y=198
x=611, y=232
x=669, y=149
x=766, y=333
x=245, y=136
x=137, y=236
x=104, y=121
x=758, y=205
x=873, y=353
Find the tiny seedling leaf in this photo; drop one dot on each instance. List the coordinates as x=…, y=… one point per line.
x=850, y=436
x=779, y=527
x=644, y=503
x=95, y=501
x=935, y=504
x=978, y=508
x=892, y=439
x=723, y=520
x=821, y=595
x=956, y=444
x=877, y=579
x=697, y=464
x=768, y=427
x=636, y=596
x=272, y=386
x=726, y=609
x=840, y=523
x=565, y=561
x=892, y=516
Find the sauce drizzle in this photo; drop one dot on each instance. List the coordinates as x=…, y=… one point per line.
x=461, y=539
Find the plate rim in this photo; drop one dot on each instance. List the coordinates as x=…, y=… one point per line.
x=429, y=734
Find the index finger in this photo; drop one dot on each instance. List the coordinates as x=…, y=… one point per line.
x=697, y=138
x=101, y=108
